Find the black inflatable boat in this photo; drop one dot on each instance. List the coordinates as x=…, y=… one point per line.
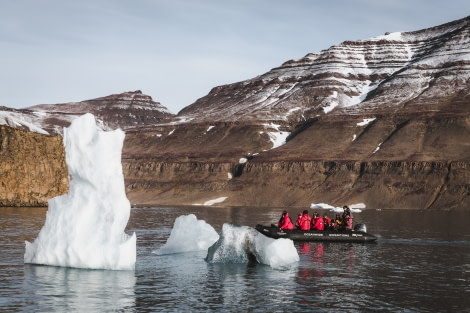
x=359, y=234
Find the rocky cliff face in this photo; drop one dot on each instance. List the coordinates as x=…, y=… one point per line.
x=417, y=162
x=384, y=185
x=32, y=167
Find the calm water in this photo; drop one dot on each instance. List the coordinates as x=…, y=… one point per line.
x=421, y=263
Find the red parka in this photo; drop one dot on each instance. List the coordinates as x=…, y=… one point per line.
x=317, y=223
x=286, y=223
x=305, y=222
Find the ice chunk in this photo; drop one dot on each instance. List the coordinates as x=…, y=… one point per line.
x=189, y=234
x=356, y=208
x=85, y=228
x=242, y=244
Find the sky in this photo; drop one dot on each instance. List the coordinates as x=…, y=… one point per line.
x=176, y=51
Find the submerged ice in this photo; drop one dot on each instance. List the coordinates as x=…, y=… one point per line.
x=85, y=228
x=243, y=244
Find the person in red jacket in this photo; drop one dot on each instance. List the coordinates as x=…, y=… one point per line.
x=305, y=221
x=285, y=222
x=317, y=222
x=297, y=222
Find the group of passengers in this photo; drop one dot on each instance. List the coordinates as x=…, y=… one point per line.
x=317, y=222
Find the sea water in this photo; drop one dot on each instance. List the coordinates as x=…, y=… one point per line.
x=420, y=263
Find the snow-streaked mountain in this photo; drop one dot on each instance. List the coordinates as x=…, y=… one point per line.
x=385, y=73
x=126, y=110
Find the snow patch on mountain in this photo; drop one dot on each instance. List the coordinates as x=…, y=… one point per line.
x=21, y=120
x=366, y=121
x=277, y=137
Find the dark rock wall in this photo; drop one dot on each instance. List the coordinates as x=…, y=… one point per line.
x=382, y=184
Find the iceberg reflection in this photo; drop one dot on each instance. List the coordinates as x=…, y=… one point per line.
x=51, y=289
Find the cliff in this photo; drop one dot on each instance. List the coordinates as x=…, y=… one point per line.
x=32, y=167
x=418, y=161
x=381, y=185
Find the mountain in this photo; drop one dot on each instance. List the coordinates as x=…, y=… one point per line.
x=412, y=71
x=125, y=110
x=382, y=121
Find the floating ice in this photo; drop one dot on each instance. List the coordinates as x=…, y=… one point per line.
x=189, y=234
x=355, y=208
x=242, y=244
x=85, y=228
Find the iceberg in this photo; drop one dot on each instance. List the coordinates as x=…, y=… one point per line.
x=189, y=234
x=355, y=208
x=85, y=228
x=243, y=244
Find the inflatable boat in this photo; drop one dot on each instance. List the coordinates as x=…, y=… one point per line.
x=359, y=234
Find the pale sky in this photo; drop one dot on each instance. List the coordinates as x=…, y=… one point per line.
x=55, y=51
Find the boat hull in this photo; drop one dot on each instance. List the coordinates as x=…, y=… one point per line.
x=316, y=235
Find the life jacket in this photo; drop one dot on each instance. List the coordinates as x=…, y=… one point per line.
x=305, y=222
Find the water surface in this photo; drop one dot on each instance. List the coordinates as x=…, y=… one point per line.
x=420, y=263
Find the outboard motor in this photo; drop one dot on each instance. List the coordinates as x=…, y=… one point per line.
x=360, y=227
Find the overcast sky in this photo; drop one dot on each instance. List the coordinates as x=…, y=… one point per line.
x=55, y=51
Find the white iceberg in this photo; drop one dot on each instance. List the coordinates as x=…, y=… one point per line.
x=85, y=228
x=189, y=234
x=355, y=208
x=243, y=244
